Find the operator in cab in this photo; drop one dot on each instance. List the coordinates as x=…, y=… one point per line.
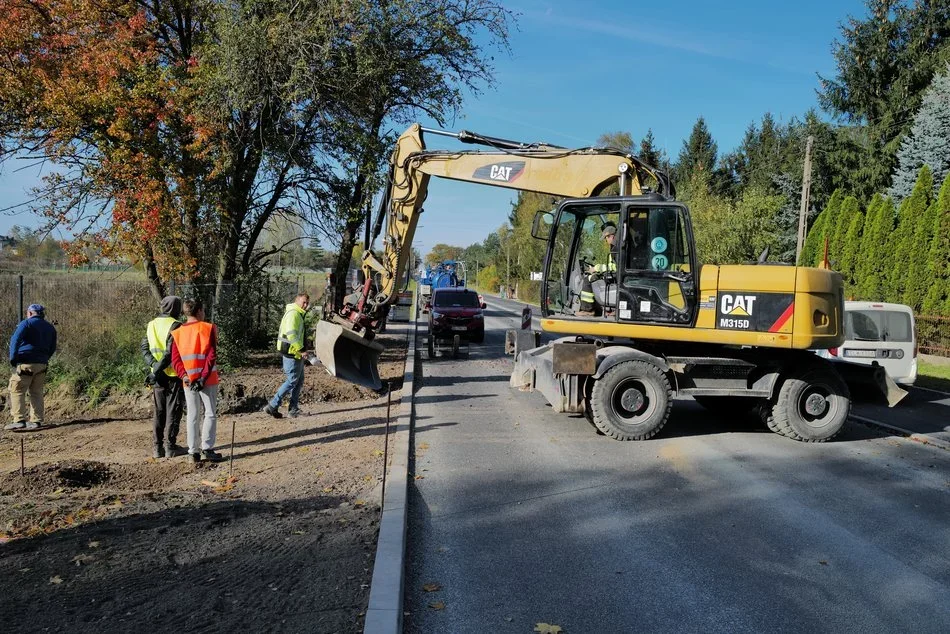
x=588, y=305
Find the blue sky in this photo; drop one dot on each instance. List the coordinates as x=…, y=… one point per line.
x=580, y=69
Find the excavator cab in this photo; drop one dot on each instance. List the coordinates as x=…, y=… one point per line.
x=648, y=275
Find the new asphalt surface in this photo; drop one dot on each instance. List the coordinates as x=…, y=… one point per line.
x=519, y=516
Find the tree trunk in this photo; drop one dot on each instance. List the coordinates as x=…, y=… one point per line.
x=155, y=283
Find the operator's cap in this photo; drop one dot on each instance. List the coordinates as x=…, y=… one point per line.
x=36, y=308
x=609, y=229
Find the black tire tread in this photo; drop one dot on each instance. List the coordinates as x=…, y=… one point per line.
x=778, y=418
x=644, y=369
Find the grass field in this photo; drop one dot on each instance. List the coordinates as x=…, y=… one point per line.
x=934, y=376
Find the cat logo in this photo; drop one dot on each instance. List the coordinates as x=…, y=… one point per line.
x=506, y=172
x=738, y=305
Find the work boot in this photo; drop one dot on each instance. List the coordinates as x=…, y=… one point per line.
x=158, y=452
x=31, y=426
x=195, y=458
x=272, y=411
x=294, y=413
x=17, y=426
x=211, y=455
x=171, y=451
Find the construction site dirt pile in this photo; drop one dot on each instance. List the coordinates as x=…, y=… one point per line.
x=95, y=536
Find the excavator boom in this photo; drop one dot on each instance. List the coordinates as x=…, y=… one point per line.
x=344, y=339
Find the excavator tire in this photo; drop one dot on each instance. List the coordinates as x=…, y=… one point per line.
x=631, y=401
x=727, y=405
x=812, y=405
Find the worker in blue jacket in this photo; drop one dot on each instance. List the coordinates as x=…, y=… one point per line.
x=32, y=344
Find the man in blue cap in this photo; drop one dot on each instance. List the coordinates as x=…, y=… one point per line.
x=32, y=344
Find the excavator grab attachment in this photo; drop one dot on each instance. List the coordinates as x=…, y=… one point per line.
x=347, y=355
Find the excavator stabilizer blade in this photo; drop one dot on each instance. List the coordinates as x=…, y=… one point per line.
x=861, y=377
x=347, y=355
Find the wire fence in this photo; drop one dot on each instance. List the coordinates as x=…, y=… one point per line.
x=933, y=335
x=100, y=322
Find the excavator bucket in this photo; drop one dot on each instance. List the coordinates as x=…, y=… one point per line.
x=874, y=378
x=347, y=355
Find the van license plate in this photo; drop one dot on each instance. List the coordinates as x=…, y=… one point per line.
x=462, y=328
x=864, y=354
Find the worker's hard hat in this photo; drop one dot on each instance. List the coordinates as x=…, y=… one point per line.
x=609, y=230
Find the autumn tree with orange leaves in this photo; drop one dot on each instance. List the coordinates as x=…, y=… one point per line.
x=178, y=128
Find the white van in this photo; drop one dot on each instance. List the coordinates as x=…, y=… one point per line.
x=882, y=334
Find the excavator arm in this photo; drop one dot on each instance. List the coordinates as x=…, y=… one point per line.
x=344, y=339
x=546, y=169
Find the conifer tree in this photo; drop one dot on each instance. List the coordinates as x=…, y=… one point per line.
x=814, y=248
x=901, y=245
x=937, y=300
x=850, y=207
x=698, y=154
x=927, y=141
x=878, y=225
x=850, y=249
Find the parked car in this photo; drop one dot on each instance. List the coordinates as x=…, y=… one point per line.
x=456, y=311
x=879, y=333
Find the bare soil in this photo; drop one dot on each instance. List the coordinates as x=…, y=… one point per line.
x=96, y=536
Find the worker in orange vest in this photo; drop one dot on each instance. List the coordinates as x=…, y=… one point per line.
x=194, y=346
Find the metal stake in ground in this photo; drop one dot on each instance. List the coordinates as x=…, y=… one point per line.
x=22, y=461
x=389, y=402
x=231, y=463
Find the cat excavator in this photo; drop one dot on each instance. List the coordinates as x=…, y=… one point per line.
x=735, y=337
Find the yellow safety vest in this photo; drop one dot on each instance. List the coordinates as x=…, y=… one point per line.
x=291, y=335
x=157, y=333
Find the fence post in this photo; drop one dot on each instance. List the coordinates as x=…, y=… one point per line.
x=20, y=292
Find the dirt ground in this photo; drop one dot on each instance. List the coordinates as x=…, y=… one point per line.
x=98, y=537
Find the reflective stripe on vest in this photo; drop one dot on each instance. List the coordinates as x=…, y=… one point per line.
x=157, y=333
x=193, y=341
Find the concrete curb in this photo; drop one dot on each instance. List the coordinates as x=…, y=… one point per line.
x=384, y=614
x=921, y=438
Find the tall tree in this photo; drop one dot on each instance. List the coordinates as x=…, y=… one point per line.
x=872, y=257
x=901, y=243
x=850, y=252
x=850, y=207
x=698, y=154
x=885, y=61
x=937, y=300
x=813, y=250
x=928, y=142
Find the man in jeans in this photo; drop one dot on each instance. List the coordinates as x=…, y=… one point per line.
x=32, y=344
x=290, y=343
x=194, y=346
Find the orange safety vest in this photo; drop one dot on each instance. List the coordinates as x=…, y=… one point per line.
x=194, y=342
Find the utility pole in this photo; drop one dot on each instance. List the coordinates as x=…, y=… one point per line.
x=806, y=190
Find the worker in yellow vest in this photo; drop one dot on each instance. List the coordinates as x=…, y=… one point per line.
x=588, y=305
x=194, y=349
x=290, y=344
x=167, y=399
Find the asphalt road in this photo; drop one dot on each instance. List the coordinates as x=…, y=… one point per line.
x=521, y=516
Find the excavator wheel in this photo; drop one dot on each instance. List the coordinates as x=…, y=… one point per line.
x=812, y=405
x=631, y=401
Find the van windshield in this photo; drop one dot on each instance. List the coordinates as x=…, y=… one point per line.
x=878, y=325
x=456, y=299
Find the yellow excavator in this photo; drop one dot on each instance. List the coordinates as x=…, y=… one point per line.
x=734, y=337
